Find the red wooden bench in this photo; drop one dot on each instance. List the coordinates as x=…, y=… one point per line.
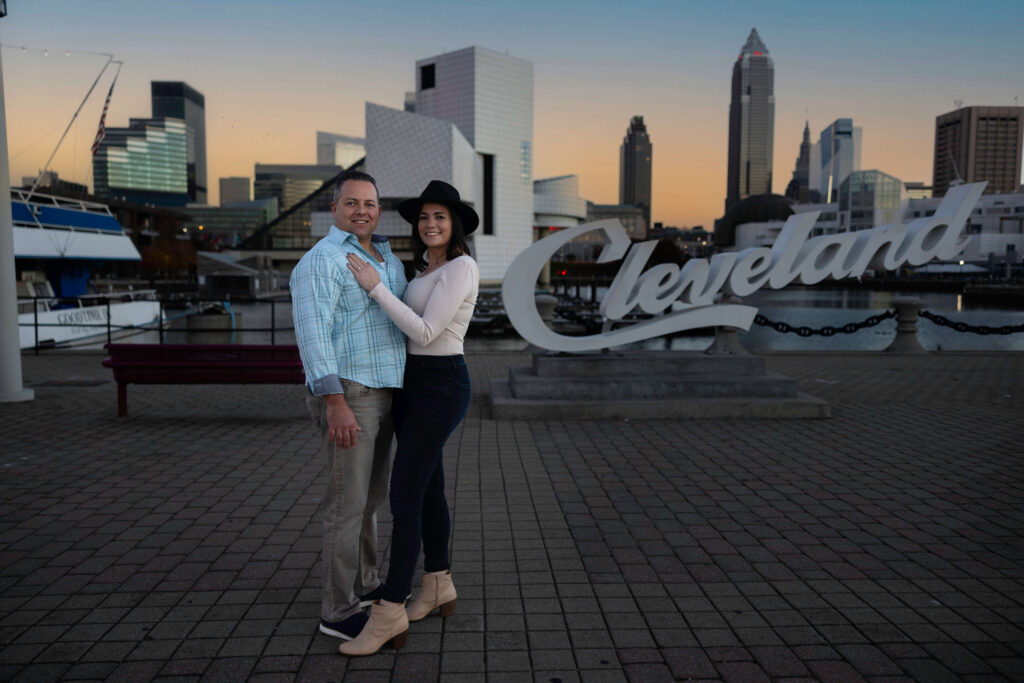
x=200, y=364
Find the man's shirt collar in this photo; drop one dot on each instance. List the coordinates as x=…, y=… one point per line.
x=344, y=236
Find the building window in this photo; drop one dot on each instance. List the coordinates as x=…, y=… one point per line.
x=427, y=76
x=524, y=161
x=488, y=208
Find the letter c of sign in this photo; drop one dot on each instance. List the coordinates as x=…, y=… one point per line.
x=519, y=288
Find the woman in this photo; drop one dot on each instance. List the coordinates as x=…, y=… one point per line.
x=438, y=304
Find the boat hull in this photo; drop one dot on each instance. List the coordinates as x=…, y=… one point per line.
x=86, y=324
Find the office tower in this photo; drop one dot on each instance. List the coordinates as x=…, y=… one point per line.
x=410, y=101
x=975, y=144
x=176, y=100
x=145, y=163
x=635, y=168
x=489, y=98
x=50, y=182
x=290, y=183
x=234, y=190
x=840, y=155
x=798, y=188
x=338, y=150
x=751, y=122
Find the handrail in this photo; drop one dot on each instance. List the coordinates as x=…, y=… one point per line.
x=191, y=306
x=61, y=202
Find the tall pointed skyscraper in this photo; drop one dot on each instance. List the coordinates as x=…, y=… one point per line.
x=798, y=186
x=751, y=122
x=635, y=168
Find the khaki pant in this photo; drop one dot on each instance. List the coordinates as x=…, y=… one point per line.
x=357, y=487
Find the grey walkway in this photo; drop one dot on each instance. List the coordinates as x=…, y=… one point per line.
x=182, y=542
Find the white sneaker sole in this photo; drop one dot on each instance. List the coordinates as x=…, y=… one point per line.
x=334, y=634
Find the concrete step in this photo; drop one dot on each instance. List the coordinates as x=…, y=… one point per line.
x=644, y=363
x=525, y=384
x=507, y=407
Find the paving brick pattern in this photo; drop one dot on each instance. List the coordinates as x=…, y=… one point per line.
x=183, y=542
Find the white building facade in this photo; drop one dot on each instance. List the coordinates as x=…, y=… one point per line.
x=872, y=198
x=404, y=151
x=489, y=98
x=557, y=205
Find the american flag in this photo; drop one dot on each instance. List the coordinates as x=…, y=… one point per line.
x=103, y=119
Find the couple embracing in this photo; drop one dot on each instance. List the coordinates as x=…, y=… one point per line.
x=383, y=356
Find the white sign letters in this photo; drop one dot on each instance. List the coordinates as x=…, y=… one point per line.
x=792, y=258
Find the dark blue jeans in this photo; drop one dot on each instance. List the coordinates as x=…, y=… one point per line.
x=431, y=403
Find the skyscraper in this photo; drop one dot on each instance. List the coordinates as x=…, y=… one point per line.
x=751, y=122
x=635, y=167
x=798, y=188
x=177, y=100
x=840, y=156
x=976, y=144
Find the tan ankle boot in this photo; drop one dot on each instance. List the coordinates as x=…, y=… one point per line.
x=437, y=591
x=387, y=623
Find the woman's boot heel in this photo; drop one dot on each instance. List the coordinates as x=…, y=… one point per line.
x=398, y=642
x=437, y=591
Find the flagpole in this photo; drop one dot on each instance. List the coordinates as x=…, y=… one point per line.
x=101, y=131
x=11, y=389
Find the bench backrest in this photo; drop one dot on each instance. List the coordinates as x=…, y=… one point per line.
x=221, y=353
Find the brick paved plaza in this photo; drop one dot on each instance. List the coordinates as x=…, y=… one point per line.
x=182, y=542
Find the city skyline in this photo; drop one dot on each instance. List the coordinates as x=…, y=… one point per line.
x=265, y=106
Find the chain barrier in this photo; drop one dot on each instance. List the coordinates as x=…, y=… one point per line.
x=828, y=330
x=976, y=329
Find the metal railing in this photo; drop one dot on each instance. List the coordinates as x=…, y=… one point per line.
x=90, y=320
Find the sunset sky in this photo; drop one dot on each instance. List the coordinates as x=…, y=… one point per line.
x=275, y=73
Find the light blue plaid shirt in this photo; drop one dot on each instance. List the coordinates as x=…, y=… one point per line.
x=341, y=331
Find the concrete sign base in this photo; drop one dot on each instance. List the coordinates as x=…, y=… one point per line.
x=649, y=384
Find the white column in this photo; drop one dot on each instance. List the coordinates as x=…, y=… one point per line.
x=11, y=389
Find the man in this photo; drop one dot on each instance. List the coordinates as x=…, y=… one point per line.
x=353, y=355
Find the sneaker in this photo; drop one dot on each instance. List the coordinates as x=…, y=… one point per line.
x=346, y=629
x=375, y=595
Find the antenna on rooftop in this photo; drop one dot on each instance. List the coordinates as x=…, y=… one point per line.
x=958, y=103
x=959, y=180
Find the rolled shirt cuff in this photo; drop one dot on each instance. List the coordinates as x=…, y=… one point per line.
x=328, y=384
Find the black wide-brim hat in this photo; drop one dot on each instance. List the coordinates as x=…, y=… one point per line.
x=440, y=192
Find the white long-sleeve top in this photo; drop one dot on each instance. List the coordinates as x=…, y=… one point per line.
x=437, y=307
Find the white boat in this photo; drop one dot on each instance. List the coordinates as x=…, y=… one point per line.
x=68, y=237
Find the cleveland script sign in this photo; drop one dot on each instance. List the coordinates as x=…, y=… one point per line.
x=793, y=258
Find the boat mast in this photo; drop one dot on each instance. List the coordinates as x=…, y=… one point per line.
x=110, y=60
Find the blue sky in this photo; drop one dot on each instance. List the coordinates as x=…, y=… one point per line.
x=275, y=73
